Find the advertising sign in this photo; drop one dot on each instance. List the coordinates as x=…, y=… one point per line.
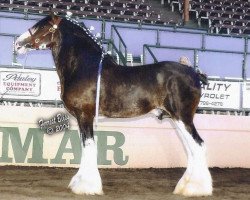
x=29, y=84
x=246, y=95
x=20, y=83
x=220, y=94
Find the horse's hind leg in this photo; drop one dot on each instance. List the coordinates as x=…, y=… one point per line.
x=196, y=180
x=87, y=180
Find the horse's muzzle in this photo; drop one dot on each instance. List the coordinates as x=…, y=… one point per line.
x=20, y=49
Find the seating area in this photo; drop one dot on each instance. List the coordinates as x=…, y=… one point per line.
x=139, y=11
x=220, y=16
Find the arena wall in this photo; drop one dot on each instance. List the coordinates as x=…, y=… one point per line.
x=49, y=137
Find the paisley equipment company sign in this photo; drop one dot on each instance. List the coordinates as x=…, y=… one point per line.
x=20, y=83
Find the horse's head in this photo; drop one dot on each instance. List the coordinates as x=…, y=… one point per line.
x=40, y=36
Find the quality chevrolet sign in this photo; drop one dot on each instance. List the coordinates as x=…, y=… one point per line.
x=221, y=94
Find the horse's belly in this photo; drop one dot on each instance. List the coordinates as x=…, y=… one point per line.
x=125, y=109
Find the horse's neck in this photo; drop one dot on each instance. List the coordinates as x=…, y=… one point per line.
x=56, y=51
x=74, y=58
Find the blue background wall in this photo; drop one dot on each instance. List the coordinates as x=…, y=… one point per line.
x=213, y=63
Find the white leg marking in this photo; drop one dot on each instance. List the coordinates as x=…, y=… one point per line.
x=87, y=180
x=197, y=180
x=186, y=176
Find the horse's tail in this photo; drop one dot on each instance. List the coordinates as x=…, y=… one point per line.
x=202, y=77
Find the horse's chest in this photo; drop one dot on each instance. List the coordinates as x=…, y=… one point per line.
x=78, y=96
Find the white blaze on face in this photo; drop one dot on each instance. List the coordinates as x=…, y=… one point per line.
x=19, y=45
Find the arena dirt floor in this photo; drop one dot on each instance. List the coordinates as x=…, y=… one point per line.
x=19, y=183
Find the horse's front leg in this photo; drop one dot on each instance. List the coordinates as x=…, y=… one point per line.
x=87, y=180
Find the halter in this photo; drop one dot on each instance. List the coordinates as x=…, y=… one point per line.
x=37, y=43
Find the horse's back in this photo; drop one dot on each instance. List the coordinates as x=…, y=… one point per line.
x=131, y=91
x=165, y=70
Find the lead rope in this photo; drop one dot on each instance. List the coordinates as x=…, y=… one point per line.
x=98, y=88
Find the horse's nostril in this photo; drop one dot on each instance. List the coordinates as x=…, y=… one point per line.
x=17, y=46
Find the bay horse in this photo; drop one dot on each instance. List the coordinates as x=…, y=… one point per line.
x=170, y=87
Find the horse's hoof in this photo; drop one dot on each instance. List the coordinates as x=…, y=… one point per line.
x=84, y=185
x=178, y=190
x=191, y=186
x=181, y=185
x=192, y=189
x=197, y=190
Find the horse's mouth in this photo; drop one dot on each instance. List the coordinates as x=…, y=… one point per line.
x=23, y=49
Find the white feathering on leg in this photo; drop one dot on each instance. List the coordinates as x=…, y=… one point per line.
x=87, y=180
x=197, y=180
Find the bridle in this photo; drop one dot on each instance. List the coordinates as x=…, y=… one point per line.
x=37, y=42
